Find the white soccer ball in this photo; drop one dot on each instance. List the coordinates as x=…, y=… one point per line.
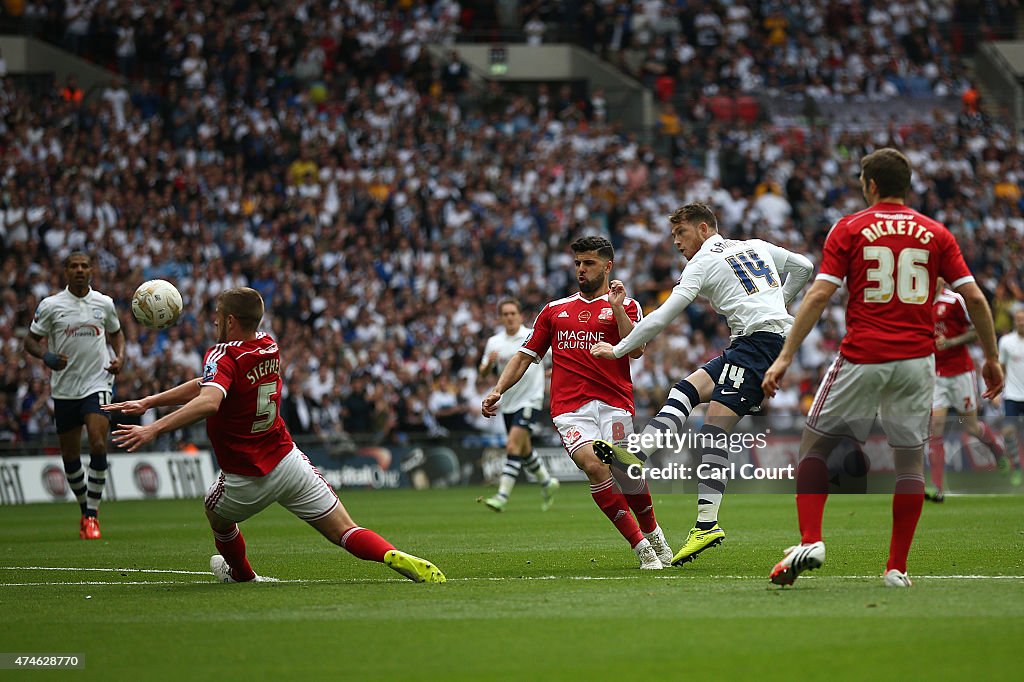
x=156, y=304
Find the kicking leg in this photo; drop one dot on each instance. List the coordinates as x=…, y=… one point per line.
x=711, y=481
x=661, y=431
x=339, y=528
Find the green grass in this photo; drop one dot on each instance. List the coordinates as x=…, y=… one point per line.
x=531, y=595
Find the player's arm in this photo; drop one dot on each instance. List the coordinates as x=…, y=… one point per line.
x=981, y=315
x=807, y=316
x=646, y=329
x=798, y=270
x=132, y=436
x=514, y=371
x=617, y=298
x=487, y=362
x=116, y=341
x=34, y=346
x=179, y=395
x=943, y=343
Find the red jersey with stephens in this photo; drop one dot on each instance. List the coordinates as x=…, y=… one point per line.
x=247, y=433
x=569, y=327
x=951, y=319
x=890, y=256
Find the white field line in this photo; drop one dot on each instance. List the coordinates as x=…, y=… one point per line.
x=105, y=570
x=674, y=576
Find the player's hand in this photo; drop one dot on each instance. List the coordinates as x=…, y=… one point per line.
x=773, y=377
x=131, y=437
x=126, y=407
x=603, y=350
x=489, y=407
x=616, y=293
x=941, y=342
x=992, y=373
x=115, y=365
x=55, y=361
x=493, y=357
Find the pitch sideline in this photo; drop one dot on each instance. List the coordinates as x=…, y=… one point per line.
x=677, y=576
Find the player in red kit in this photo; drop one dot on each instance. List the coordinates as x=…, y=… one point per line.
x=591, y=398
x=890, y=256
x=956, y=387
x=239, y=395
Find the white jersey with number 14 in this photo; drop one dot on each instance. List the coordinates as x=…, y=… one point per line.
x=741, y=279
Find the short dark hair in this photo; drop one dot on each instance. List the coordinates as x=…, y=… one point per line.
x=77, y=254
x=593, y=242
x=245, y=304
x=694, y=213
x=890, y=170
x=510, y=300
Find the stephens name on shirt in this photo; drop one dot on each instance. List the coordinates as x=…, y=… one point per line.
x=572, y=339
x=272, y=366
x=893, y=224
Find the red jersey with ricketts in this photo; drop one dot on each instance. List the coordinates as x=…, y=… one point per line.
x=951, y=319
x=890, y=256
x=247, y=433
x=569, y=327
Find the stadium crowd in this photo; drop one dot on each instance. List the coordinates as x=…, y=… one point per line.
x=382, y=203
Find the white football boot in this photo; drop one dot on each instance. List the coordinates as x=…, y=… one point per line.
x=221, y=571
x=895, y=578
x=657, y=539
x=798, y=559
x=649, y=560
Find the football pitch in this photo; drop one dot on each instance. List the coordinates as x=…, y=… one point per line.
x=530, y=595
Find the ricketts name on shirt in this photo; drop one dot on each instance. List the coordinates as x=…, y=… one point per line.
x=573, y=339
x=899, y=223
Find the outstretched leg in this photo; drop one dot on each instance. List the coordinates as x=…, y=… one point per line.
x=339, y=528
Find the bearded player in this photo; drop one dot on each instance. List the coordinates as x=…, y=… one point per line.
x=592, y=399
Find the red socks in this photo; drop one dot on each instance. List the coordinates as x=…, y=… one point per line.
x=614, y=505
x=360, y=542
x=231, y=546
x=990, y=440
x=811, y=495
x=365, y=544
x=906, y=510
x=643, y=507
x=937, y=459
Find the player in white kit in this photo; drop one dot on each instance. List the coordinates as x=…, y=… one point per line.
x=77, y=324
x=742, y=280
x=1011, y=357
x=519, y=407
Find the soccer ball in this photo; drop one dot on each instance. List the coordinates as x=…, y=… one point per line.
x=156, y=304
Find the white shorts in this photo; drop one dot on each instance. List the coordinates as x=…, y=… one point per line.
x=957, y=392
x=594, y=421
x=851, y=395
x=294, y=483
